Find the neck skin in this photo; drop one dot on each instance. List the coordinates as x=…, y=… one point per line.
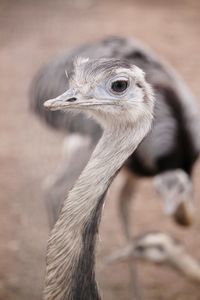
x=187, y=265
x=70, y=254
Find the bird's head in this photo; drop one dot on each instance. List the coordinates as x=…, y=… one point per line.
x=176, y=190
x=157, y=247
x=107, y=89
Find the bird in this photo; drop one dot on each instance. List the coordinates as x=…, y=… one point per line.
x=161, y=249
x=116, y=94
x=167, y=154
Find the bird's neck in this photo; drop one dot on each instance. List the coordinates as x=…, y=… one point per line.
x=70, y=253
x=187, y=265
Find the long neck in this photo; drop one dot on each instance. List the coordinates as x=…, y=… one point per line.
x=70, y=254
x=187, y=265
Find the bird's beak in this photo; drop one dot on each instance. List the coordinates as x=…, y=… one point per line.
x=68, y=99
x=73, y=99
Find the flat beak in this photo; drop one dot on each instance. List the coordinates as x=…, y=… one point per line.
x=67, y=99
x=73, y=99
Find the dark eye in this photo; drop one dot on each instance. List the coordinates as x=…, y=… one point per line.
x=119, y=86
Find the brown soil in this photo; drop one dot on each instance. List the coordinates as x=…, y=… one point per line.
x=31, y=32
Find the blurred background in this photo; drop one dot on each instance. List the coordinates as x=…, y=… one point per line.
x=31, y=33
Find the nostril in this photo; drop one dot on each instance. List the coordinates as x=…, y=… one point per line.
x=71, y=99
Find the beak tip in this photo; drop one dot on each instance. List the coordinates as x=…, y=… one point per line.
x=47, y=104
x=50, y=104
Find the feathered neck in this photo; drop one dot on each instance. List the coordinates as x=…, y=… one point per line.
x=71, y=247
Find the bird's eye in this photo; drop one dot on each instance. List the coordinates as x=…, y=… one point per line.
x=119, y=86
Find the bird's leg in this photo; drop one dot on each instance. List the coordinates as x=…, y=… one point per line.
x=76, y=153
x=125, y=198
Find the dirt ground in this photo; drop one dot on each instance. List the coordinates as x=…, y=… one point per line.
x=31, y=33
